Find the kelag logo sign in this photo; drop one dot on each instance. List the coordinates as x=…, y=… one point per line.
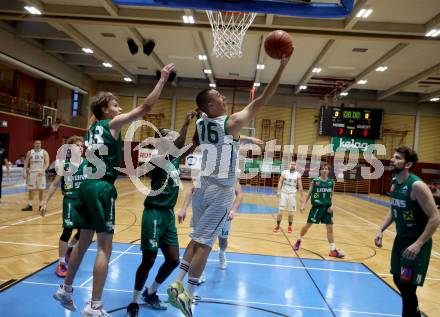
x=348, y=144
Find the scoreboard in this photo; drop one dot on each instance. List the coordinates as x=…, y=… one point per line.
x=351, y=122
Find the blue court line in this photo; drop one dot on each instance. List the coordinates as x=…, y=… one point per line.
x=372, y=200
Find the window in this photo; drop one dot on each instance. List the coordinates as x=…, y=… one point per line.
x=75, y=102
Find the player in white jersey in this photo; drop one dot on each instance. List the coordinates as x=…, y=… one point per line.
x=288, y=185
x=34, y=171
x=212, y=201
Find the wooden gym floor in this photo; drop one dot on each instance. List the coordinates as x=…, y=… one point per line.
x=29, y=242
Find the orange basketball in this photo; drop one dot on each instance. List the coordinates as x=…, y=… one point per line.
x=278, y=43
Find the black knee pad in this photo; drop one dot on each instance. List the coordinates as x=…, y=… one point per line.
x=65, y=236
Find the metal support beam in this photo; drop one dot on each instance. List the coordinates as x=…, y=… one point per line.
x=28, y=29
x=85, y=42
x=396, y=49
x=110, y=7
x=427, y=97
x=395, y=89
x=351, y=20
x=434, y=23
x=317, y=60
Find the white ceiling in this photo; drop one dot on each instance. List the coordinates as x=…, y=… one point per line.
x=389, y=25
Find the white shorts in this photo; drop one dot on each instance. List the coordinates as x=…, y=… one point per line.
x=287, y=202
x=211, y=205
x=35, y=181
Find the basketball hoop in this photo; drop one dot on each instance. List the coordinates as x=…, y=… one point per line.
x=228, y=31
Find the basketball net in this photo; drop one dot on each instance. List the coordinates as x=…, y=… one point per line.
x=228, y=31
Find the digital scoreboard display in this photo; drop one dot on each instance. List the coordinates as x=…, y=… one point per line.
x=351, y=122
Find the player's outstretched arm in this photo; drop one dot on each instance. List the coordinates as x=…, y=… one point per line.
x=188, y=197
x=237, y=201
x=52, y=189
x=180, y=141
x=421, y=193
x=26, y=164
x=280, y=184
x=386, y=223
x=240, y=119
x=300, y=189
x=309, y=194
x=244, y=139
x=147, y=105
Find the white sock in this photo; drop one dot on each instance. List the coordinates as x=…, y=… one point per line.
x=70, y=245
x=183, y=269
x=95, y=304
x=300, y=237
x=30, y=203
x=332, y=246
x=62, y=259
x=192, y=283
x=153, y=288
x=136, y=296
x=221, y=252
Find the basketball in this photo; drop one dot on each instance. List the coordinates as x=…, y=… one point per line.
x=278, y=43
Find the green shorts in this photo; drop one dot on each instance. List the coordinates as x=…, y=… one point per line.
x=319, y=214
x=96, y=199
x=72, y=219
x=418, y=266
x=158, y=229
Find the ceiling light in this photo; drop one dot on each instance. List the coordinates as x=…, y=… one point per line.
x=207, y=71
x=212, y=85
x=381, y=68
x=32, y=10
x=257, y=84
x=433, y=33
x=343, y=94
x=316, y=70
x=188, y=19
x=260, y=66
x=128, y=79
x=362, y=82
x=87, y=50
x=108, y=65
x=434, y=99
x=302, y=87
x=203, y=57
x=364, y=13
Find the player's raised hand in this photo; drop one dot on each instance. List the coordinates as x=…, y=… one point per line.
x=166, y=71
x=285, y=60
x=378, y=239
x=189, y=117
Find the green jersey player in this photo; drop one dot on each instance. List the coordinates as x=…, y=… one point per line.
x=321, y=191
x=416, y=216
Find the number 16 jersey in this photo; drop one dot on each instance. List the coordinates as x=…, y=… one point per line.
x=219, y=150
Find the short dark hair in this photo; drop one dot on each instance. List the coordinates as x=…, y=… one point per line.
x=101, y=101
x=202, y=99
x=409, y=155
